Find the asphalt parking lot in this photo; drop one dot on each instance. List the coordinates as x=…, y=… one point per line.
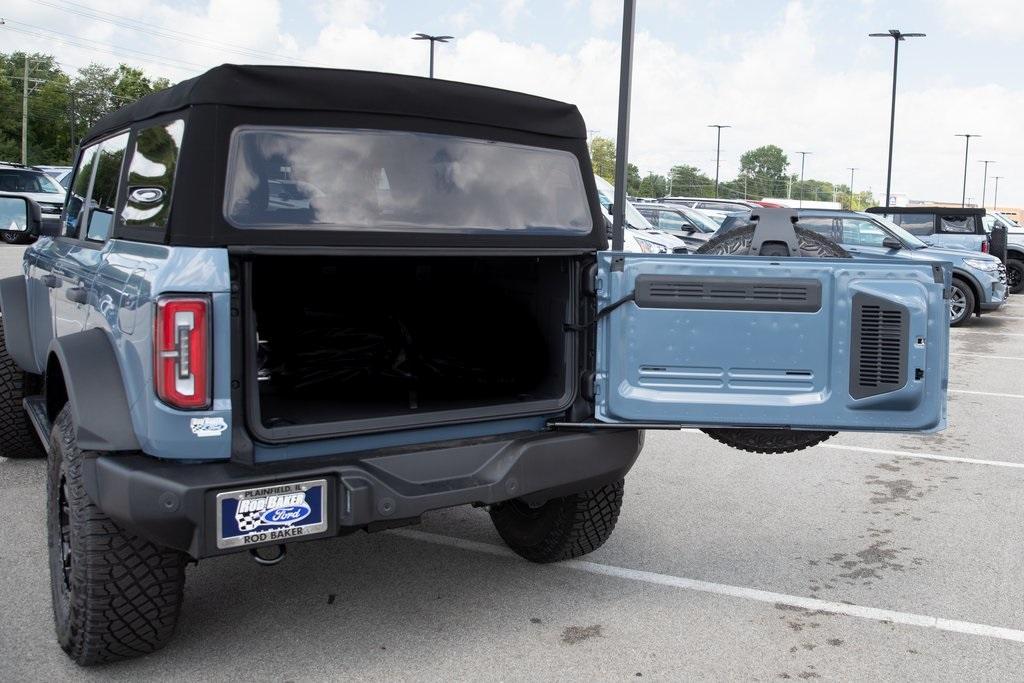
x=871, y=556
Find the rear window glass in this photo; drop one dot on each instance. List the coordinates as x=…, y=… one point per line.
x=352, y=179
x=917, y=223
x=957, y=224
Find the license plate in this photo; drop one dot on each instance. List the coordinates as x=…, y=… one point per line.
x=275, y=513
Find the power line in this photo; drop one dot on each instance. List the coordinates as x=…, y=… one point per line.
x=156, y=30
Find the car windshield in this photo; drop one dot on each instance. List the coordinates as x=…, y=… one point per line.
x=904, y=236
x=702, y=222
x=16, y=180
x=606, y=194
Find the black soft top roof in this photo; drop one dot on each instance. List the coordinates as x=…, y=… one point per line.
x=944, y=210
x=366, y=92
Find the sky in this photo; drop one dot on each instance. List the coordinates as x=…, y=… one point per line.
x=801, y=74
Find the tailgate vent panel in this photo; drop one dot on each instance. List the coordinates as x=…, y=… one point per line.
x=795, y=295
x=878, y=363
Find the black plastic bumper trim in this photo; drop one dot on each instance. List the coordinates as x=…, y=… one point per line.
x=174, y=504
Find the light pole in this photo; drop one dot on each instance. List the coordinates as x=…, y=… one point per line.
x=622, y=131
x=967, y=148
x=432, y=39
x=851, y=169
x=803, y=158
x=984, y=182
x=896, y=36
x=718, y=151
x=995, y=199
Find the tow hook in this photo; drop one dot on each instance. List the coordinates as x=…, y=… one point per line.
x=268, y=556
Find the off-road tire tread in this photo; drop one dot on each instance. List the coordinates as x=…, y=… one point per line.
x=738, y=242
x=580, y=524
x=769, y=441
x=126, y=592
x=17, y=435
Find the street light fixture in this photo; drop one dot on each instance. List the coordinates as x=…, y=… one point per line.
x=432, y=39
x=896, y=36
x=984, y=181
x=851, y=169
x=803, y=158
x=995, y=199
x=967, y=148
x=718, y=152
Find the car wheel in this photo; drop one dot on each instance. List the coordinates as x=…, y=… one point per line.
x=562, y=528
x=738, y=242
x=115, y=595
x=17, y=435
x=1015, y=275
x=961, y=303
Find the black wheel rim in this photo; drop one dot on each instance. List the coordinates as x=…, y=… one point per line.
x=64, y=527
x=1014, y=276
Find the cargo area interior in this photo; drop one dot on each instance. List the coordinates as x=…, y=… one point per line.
x=360, y=343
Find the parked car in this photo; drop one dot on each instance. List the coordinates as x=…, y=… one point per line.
x=1014, y=249
x=689, y=225
x=62, y=174
x=941, y=226
x=716, y=204
x=23, y=181
x=210, y=370
x=639, y=235
x=979, y=280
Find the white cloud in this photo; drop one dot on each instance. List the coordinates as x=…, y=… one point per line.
x=770, y=85
x=511, y=10
x=977, y=17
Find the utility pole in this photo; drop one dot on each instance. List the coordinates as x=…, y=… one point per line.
x=24, y=115
x=984, y=181
x=995, y=199
x=967, y=148
x=718, y=152
x=803, y=158
x=851, y=169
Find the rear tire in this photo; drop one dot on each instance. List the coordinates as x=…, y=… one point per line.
x=562, y=528
x=115, y=595
x=961, y=303
x=738, y=243
x=1015, y=275
x=17, y=435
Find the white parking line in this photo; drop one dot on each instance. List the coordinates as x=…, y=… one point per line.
x=925, y=456
x=744, y=593
x=1009, y=317
x=985, y=355
x=985, y=393
x=994, y=334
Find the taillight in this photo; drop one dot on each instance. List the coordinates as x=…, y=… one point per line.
x=181, y=360
x=984, y=246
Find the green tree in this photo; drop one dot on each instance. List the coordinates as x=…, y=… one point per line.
x=602, y=157
x=632, y=180
x=690, y=181
x=653, y=185
x=765, y=167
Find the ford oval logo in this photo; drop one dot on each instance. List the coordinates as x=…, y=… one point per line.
x=286, y=515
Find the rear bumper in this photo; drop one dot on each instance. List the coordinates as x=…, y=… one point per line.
x=174, y=504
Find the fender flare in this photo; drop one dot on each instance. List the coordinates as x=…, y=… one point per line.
x=975, y=286
x=95, y=391
x=17, y=333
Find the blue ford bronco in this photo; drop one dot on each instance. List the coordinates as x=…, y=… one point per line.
x=287, y=304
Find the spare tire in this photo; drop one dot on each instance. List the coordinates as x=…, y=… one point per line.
x=738, y=242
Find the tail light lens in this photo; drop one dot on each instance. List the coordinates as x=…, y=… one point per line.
x=984, y=246
x=181, y=361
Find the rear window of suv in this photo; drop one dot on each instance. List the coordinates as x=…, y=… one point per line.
x=356, y=179
x=17, y=180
